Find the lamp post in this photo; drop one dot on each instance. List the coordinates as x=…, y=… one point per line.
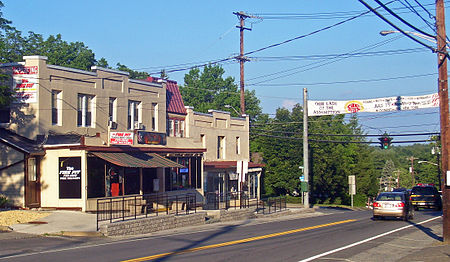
x=431, y=39
x=428, y=162
x=229, y=106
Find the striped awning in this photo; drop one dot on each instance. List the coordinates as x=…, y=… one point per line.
x=136, y=159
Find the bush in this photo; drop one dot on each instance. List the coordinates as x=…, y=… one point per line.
x=3, y=201
x=293, y=199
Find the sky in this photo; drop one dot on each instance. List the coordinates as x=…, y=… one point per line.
x=347, y=61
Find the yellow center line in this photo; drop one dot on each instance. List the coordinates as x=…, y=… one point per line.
x=235, y=242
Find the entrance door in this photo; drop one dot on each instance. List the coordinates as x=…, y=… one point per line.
x=32, y=183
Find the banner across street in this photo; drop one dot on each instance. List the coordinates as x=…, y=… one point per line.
x=384, y=104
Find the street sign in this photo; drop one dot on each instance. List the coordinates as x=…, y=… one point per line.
x=302, y=178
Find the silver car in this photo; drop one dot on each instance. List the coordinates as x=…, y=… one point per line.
x=393, y=204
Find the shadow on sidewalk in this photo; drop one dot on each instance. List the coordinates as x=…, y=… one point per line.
x=427, y=231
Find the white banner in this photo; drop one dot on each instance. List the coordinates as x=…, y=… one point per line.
x=384, y=104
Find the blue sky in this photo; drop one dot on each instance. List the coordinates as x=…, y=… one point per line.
x=152, y=35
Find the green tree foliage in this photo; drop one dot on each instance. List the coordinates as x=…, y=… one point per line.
x=133, y=74
x=208, y=89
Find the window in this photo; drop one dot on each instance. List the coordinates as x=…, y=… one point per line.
x=154, y=117
x=5, y=115
x=56, y=107
x=134, y=116
x=221, y=147
x=238, y=145
x=32, y=169
x=85, y=106
x=170, y=126
x=112, y=112
x=203, y=140
x=177, y=128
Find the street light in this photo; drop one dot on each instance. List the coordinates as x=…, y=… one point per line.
x=229, y=106
x=428, y=162
x=428, y=38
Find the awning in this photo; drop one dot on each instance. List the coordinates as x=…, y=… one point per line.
x=136, y=159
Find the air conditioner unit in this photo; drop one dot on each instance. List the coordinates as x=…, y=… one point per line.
x=112, y=124
x=139, y=126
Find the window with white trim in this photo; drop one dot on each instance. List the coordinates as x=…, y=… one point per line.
x=56, y=107
x=134, y=114
x=85, y=110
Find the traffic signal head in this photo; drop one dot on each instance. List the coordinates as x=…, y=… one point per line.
x=385, y=142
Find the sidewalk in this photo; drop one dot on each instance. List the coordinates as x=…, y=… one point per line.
x=67, y=223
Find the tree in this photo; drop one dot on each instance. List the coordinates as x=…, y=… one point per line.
x=208, y=89
x=133, y=74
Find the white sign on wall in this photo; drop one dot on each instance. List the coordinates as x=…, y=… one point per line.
x=25, y=84
x=384, y=104
x=121, y=138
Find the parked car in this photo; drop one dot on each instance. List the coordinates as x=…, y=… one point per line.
x=425, y=195
x=393, y=204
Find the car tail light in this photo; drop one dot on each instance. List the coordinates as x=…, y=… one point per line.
x=400, y=205
x=376, y=204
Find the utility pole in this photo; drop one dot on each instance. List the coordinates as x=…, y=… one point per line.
x=412, y=169
x=443, y=107
x=242, y=16
x=305, y=147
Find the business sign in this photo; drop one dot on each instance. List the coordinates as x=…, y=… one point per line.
x=384, y=104
x=151, y=138
x=25, y=84
x=69, y=177
x=121, y=138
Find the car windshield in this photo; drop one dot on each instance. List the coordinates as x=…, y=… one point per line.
x=389, y=197
x=424, y=190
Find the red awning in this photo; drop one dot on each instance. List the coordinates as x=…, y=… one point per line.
x=136, y=159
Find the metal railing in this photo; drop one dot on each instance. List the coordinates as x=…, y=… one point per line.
x=114, y=209
x=226, y=200
x=271, y=205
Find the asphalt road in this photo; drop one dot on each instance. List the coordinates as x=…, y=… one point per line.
x=296, y=239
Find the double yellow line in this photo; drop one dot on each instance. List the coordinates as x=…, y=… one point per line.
x=235, y=242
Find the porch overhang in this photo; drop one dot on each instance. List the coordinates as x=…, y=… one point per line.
x=136, y=159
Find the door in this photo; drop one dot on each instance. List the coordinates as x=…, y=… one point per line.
x=32, y=183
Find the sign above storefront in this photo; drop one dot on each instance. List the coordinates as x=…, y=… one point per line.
x=151, y=138
x=121, y=138
x=385, y=104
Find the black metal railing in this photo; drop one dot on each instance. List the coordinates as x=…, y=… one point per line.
x=114, y=209
x=226, y=200
x=271, y=205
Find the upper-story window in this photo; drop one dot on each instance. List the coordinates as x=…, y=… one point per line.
x=134, y=115
x=175, y=127
x=155, y=117
x=220, y=147
x=238, y=145
x=56, y=107
x=85, y=109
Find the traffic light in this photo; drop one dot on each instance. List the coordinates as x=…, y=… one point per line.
x=385, y=141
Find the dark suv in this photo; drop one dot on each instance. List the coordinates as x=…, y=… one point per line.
x=426, y=196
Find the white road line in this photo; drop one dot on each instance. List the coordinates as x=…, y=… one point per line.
x=365, y=240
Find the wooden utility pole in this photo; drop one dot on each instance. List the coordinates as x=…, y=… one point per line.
x=242, y=16
x=305, y=147
x=413, y=182
x=443, y=106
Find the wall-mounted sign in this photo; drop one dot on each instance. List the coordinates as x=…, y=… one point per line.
x=69, y=177
x=121, y=138
x=184, y=170
x=384, y=104
x=25, y=84
x=151, y=138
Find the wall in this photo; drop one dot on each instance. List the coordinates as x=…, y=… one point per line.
x=219, y=123
x=12, y=178
x=50, y=179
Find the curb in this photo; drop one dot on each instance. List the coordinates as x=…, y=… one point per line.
x=5, y=229
x=78, y=234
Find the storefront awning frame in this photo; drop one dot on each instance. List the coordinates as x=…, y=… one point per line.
x=136, y=159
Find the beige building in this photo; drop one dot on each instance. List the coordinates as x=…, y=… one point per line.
x=74, y=136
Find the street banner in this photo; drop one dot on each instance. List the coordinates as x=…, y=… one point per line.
x=384, y=104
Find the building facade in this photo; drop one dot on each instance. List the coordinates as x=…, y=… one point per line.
x=74, y=136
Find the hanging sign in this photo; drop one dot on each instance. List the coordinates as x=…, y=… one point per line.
x=25, y=84
x=384, y=104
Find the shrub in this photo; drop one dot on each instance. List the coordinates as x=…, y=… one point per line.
x=3, y=201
